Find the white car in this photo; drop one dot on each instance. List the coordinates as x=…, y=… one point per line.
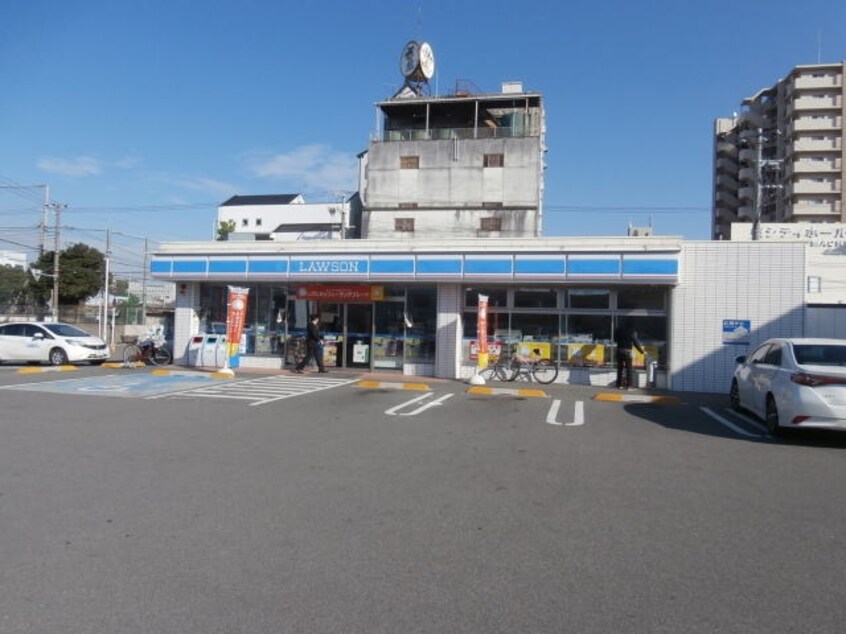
x=50, y=342
x=795, y=383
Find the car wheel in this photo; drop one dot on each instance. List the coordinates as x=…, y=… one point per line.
x=772, y=416
x=734, y=396
x=58, y=357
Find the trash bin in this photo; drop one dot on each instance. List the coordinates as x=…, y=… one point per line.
x=213, y=351
x=651, y=372
x=194, y=352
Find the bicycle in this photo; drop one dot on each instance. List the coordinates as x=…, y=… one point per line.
x=509, y=367
x=144, y=351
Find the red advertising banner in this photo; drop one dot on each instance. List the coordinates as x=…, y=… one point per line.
x=482, y=331
x=235, y=316
x=340, y=293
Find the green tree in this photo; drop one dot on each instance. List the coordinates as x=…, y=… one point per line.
x=13, y=285
x=224, y=229
x=80, y=274
x=121, y=287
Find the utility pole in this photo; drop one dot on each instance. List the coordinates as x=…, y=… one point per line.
x=104, y=309
x=759, y=181
x=42, y=228
x=144, y=288
x=54, y=303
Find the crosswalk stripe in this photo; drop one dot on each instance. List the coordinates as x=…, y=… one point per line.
x=261, y=390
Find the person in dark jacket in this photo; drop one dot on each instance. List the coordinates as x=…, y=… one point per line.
x=314, y=346
x=626, y=338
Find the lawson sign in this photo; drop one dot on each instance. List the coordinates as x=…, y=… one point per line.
x=311, y=266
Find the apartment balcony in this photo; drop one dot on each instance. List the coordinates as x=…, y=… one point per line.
x=812, y=188
x=726, y=181
x=747, y=155
x=726, y=165
x=747, y=174
x=810, y=124
x=746, y=212
x=804, y=208
x=751, y=118
x=831, y=143
x=829, y=102
x=746, y=194
x=813, y=167
x=807, y=82
x=727, y=199
x=724, y=148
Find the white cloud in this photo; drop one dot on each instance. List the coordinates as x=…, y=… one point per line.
x=309, y=167
x=201, y=184
x=128, y=162
x=77, y=167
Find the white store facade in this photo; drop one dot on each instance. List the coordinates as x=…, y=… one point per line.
x=391, y=305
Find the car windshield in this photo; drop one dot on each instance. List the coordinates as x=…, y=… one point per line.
x=64, y=330
x=820, y=354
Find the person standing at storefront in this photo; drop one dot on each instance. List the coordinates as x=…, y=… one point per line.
x=314, y=346
x=626, y=338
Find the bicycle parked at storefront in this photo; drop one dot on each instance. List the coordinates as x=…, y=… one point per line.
x=533, y=366
x=147, y=350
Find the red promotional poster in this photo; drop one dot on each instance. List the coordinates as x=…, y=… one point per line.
x=237, y=311
x=482, y=329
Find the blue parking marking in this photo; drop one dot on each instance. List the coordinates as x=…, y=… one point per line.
x=126, y=386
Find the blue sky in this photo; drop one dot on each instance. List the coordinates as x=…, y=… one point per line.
x=143, y=116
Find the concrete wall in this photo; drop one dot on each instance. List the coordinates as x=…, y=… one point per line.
x=451, y=185
x=825, y=321
x=758, y=281
x=449, y=333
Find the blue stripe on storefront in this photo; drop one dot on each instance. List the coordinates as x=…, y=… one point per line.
x=438, y=267
x=650, y=267
x=227, y=266
x=268, y=266
x=162, y=267
x=593, y=267
x=392, y=267
x=474, y=266
x=533, y=266
x=189, y=266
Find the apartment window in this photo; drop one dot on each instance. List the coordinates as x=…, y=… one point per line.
x=245, y=222
x=494, y=160
x=409, y=162
x=491, y=224
x=404, y=224
x=258, y=222
x=408, y=205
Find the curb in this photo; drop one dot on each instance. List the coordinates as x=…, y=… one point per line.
x=523, y=393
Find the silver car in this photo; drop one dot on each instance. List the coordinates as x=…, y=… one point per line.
x=50, y=342
x=795, y=383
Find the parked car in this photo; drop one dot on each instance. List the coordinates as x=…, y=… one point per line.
x=793, y=383
x=50, y=342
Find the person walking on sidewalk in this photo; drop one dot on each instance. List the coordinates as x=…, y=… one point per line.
x=314, y=346
x=626, y=338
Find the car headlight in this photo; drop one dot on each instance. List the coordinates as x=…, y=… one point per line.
x=72, y=342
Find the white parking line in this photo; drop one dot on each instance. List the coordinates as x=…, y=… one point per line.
x=578, y=414
x=394, y=411
x=728, y=423
x=748, y=420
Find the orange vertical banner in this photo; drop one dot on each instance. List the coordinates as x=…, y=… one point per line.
x=482, y=331
x=235, y=316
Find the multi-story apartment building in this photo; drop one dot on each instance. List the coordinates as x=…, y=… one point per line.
x=782, y=159
x=457, y=166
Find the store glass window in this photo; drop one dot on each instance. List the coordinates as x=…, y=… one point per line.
x=641, y=298
x=421, y=324
x=497, y=297
x=589, y=298
x=535, y=298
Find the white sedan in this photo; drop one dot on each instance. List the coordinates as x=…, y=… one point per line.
x=793, y=383
x=50, y=342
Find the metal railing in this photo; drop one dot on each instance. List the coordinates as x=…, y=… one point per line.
x=448, y=134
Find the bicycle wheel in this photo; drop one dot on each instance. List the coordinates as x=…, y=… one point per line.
x=544, y=371
x=161, y=356
x=132, y=353
x=507, y=369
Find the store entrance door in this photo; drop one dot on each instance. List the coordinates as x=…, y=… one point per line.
x=389, y=335
x=359, y=339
